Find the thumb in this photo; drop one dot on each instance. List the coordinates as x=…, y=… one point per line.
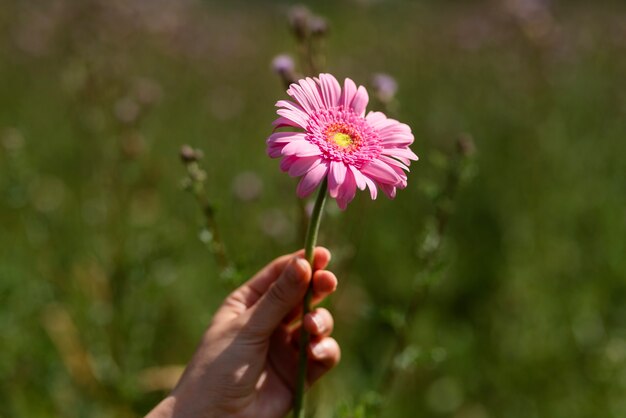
x=283, y=295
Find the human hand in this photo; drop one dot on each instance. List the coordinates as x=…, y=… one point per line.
x=246, y=363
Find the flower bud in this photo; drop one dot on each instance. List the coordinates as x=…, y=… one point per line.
x=299, y=21
x=283, y=64
x=189, y=155
x=465, y=145
x=318, y=26
x=385, y=87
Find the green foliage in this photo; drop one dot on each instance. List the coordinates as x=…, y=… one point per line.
x=493, y=286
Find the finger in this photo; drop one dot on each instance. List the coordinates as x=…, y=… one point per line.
x=250, y=292
x=254, y=288
x=324, y=283
x=323, y=356
x=319, y=323
x=321, y=257
x=283, y=295
x=283, y=355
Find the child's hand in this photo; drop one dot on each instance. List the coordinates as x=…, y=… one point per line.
x=245, y=365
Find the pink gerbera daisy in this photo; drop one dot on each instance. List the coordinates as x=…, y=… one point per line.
x=340, y=142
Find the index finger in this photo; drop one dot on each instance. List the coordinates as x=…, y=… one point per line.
x=249, y=293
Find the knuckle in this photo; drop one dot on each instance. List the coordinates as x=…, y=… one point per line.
x=253, y=331
x=279, y=296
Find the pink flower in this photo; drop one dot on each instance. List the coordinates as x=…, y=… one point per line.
x=340, y=142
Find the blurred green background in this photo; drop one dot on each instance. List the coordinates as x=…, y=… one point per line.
x=502, y=273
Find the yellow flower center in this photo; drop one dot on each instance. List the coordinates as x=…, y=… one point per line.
x=341, y=139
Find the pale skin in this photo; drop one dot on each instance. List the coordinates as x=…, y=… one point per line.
x=245, y=365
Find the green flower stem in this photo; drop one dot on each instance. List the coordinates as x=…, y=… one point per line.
x=309, y=246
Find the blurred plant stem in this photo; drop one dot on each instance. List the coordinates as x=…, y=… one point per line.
x=309, y=248
x=311, y=55
x=430, y=255
x=65, y=336
x=194, y=183
x=309, y=31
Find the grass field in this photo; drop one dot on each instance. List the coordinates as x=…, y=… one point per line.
x=494, y=286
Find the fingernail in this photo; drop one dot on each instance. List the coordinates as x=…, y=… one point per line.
x=296, y=268
x=319, y=349
x=319, y=324
x=302, y=263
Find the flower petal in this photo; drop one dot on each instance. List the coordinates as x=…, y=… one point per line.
x=389, y=190
x=275, y=150
x=293, y=116
x=336, y=177
x=347, y=190
x=282, y=121
x=349, y=90
x=401, y=184
x=294, y=107
x=306, y=97
x=397, y=140
x=400, y=153
x=285, y=137
x=303, y=165
x=301, y=148
x=331, y=90
x=310, y=180
x=287, y=162
x=301, y=98
x=359, y=103
x=394, y=163
x=395, y=135
x=391, y=131
x=375, y=117
x=377, y=121
x=379, y=171
x=372, y=187
x=358, y=178
x=313, y=91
